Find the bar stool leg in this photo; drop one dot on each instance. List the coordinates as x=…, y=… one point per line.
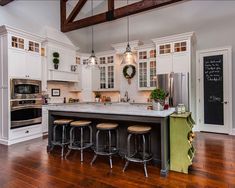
x=128, y=151
x=145, y=170
x=81, y=144
x=97, y=147
x=110, y=148
x=70, y=142
x=90, y=134
x=145, y=166
x=62, y=145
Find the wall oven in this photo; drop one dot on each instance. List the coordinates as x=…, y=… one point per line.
x=25, y=89
x=26, y=112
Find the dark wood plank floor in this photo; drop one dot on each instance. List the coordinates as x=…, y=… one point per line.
x=27, y=165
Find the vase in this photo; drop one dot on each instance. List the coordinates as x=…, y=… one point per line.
x=56, y=66
x=157, y=106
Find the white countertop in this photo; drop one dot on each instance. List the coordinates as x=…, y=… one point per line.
x=110, y=108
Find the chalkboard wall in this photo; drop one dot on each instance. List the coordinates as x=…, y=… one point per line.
x=213, y=90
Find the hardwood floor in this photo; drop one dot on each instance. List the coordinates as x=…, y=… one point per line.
x=27, y=165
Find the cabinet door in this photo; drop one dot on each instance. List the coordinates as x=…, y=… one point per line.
x=164, y=64
x=181, y=62
x=17, y=63
x=44, y=120
x=33, y=66
x=143, y=77
x=110, y=76
x=152, y=73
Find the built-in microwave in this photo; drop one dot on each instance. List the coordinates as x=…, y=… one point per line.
x=25, y=89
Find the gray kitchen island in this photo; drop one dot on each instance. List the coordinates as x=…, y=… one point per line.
x=124, y=114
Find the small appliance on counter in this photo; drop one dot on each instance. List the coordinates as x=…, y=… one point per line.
x=71, y=100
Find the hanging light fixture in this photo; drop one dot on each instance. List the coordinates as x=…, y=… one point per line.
x=92, y=61
x=128, y=56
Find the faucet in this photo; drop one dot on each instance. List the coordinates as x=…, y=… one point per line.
x=127, y=98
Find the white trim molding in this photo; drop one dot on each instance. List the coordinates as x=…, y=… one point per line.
x=233, y=132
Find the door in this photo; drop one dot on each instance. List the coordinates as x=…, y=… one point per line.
x=215, y=91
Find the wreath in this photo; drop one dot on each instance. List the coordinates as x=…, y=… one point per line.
x=129, y=71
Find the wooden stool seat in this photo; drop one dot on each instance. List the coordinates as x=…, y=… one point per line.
x=80, y=123
x=107, y=126
x=138, y=129
x=62, y=121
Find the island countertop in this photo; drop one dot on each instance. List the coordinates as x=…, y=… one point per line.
x=110, y=108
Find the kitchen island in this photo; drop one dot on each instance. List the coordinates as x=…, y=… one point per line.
x=124, y=114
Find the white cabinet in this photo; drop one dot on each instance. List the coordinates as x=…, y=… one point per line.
x=104, y=78
x=44, y=119
x=57, y=75
x=146, y=68
x=24, y=58
x=173, y=53
x=24, y=64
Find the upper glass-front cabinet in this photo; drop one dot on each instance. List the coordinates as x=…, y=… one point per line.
x=147, y=69
x=107, y=72
x=172, y=47
x=24, y=44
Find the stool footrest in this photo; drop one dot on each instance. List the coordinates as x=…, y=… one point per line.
x=77, y=146
x=105, y=151
x=138, y=157
x=60, y=143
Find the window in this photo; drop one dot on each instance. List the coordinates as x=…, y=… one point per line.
x=33, y=46
x=85, y=61
x=110, y=59
x=143, y=74
x=17, y=42
x=180, y=47
x=102, y=60
x=164, y=49
x=102, y=78
x=110, y=77
x=153, y=73
x=152, y=53
x=143, y=55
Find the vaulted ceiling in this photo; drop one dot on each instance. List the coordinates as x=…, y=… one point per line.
x=76, y=14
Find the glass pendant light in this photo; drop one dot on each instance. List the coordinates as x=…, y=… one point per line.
x=92, y=61
x=128, y=56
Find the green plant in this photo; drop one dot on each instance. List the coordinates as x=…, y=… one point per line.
x=56, y=55
x=97, y=94
x=158, y=94
x=56, y=61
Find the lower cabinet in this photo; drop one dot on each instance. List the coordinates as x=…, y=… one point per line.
x=181, y=142
x=25, y=133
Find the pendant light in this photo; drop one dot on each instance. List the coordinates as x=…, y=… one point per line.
x=92, y=61
x=128, y=56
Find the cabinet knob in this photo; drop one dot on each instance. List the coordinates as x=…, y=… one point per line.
x=27, y=131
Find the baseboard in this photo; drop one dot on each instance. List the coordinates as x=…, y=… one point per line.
x=15, y=141
x=233, y=132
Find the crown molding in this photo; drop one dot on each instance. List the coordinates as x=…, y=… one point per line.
x=5, y=29
x=172, y=38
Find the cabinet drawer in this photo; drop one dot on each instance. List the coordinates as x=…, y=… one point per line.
x=26, y=131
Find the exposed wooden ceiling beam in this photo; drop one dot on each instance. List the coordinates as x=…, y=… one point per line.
x=76, y=10
x=113, y=14
x=5, y=2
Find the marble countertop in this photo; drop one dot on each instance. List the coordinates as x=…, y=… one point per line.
x=110, y=108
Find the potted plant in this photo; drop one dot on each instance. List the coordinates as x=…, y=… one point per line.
x=158, y=97
x=97, y=96
x=56, y=60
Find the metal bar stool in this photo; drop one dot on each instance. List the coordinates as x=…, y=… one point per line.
x=138, y=156
x=108, y=129
x=76, y=144
x=63, y=140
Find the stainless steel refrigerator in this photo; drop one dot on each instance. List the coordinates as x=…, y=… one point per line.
x=177, y=85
